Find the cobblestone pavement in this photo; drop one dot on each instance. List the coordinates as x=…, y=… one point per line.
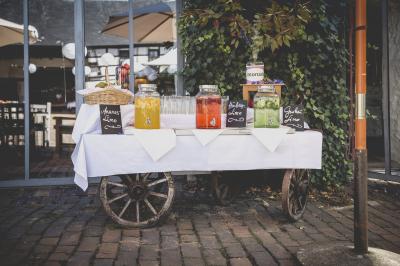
x=64, y=226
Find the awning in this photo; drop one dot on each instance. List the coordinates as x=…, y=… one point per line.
x=170, y=58
x=12, y=33
x=152, y=24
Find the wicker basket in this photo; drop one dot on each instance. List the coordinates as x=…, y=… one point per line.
x=108, y=96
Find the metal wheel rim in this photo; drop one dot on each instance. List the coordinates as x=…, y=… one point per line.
x=294, y=193
x=137, y=205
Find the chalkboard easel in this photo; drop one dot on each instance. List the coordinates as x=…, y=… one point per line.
x=110, y=119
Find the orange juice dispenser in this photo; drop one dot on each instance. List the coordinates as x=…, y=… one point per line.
x=147, y=107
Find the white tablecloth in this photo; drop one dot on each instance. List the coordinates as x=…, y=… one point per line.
x=102, y=155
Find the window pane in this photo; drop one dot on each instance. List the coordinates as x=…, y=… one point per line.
x=52, y=90
x=394, y=81
x=11, y=98
x=375, y=105
x=142, y=51
x=375, y=138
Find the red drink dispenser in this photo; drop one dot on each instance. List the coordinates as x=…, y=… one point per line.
x=208, y=107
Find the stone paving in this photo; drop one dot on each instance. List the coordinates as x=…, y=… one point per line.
x=65, y=226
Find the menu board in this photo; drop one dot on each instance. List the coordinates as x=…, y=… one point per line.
x=236, y=114
x=110, y=119
x=293, y=116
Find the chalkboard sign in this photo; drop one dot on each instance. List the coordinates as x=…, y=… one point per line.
x=236, y=114
x=293, y=116
x=110, y=119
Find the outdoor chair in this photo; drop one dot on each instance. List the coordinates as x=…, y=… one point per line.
x=41, y=114
x=12, y=123
x=61, y=129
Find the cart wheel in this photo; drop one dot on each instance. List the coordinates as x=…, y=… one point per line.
x=137, y=200
x=294, y=193
x=223, y=192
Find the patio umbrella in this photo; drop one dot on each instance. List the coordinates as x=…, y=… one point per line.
x=170, y=58
x=11, y=33
x=152, y=24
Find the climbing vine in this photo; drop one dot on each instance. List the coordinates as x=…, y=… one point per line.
x=299, y=42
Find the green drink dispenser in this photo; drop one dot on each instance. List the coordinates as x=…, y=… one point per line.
x=266, y=107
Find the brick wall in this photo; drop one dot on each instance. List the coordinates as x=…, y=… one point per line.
x=394, y=62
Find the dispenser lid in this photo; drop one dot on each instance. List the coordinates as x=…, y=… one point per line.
x=266, y=88
x=147, y=86
x=210, y=88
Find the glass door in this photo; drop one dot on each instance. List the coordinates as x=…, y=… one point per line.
x=394, y=84
x=11, y=95
x=52, y=90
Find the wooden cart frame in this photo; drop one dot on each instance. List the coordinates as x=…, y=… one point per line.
x=144, y=200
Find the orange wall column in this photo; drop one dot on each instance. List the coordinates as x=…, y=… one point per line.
x=361, y=75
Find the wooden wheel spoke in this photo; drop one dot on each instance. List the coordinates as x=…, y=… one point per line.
x=299, y=175
x=117, y=198
x=218, y=193
x=304, y=182
x=153, y=210
x=225, y=190
x=292, y=186
x=299, y=201
x=137, y=212
x=116, y=184
x=129, y=179
x=157, y=182
x=160, y=195
x=291, y=193
x=294, y=175
x=125, y=207
x=304, y=187
x=145, y=177
x=304, y=177
x=294, y=208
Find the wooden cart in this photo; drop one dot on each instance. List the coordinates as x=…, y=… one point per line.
x=151, y=196
x=145, y=198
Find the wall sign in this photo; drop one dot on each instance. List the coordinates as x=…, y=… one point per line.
x=236, y=114
x=254, y=73
x=110, y=119
x=293, y=116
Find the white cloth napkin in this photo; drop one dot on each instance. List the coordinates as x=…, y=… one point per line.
x=156, y=142
x=205, y=136
x=270, y=137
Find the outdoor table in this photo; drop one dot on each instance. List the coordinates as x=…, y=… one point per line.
x=135, y=180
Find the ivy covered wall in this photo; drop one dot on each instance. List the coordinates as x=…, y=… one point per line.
x=300, y=43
